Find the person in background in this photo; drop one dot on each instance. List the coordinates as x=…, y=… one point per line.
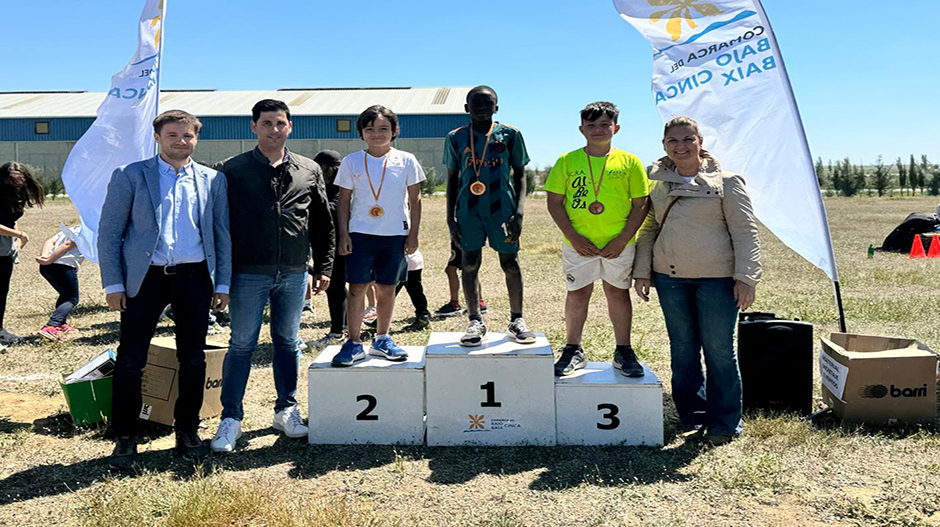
x=329, y=161
x=699, y=248
x=415, y=290
x=19, y=190
x=452, y=307
x=59, y=264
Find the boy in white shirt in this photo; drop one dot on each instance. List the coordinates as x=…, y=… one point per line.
x=378, y=218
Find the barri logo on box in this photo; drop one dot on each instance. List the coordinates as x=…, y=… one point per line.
x=213, y=383
x=877, y=391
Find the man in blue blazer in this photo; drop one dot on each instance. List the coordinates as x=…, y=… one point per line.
x=163, y=238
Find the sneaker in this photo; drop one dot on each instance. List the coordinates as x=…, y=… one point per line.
x=168, y=313
x=50, y=333
x=214, y=329
x=349, y=354
x=369, y=314
x=225, y=437
x=222, y=317
x=7, y=337
x=692, y=433
x=716, y=439
x=308, y=307
x=476, y=330
x=65, y=328
x=301, y=345
x=125, y=453
x=189, y=446
x=419, y=324
x=449, y=309
x=625, y=360
x=384, y=346
x=482, y=307
x=520, y=331
x=2, y=348
x=288, y=421
x=572, y=359
x=327, y=340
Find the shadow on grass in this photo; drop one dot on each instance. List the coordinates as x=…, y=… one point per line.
x=82, y=310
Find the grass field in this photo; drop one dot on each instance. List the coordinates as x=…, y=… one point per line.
x=783, y=471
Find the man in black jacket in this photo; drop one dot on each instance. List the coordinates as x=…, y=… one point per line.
x=278, y=213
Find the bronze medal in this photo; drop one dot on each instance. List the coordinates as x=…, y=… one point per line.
x=376, y=211
x=596, y=208
x=477, y=188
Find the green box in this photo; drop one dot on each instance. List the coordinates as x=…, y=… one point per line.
x=89, y=401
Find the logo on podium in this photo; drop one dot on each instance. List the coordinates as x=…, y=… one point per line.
x=476, y=422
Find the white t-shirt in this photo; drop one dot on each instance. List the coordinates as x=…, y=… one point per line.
x=402, y=171
x=72, y=257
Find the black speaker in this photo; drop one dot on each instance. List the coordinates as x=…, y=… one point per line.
x=776, y=361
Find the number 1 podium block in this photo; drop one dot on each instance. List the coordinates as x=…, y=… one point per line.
x=597, y=405
x=499, y=393
x=374, y=401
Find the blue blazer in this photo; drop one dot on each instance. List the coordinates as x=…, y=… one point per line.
x=130, y=224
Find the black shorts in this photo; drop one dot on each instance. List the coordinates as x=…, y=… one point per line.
x=456, y=255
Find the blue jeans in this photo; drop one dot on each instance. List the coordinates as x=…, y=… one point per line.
x=64, y=279
x=248, y=295
x=701, y=314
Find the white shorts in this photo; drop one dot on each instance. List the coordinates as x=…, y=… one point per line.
x=581, y=271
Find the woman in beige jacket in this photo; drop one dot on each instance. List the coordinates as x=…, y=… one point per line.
x=699, y=248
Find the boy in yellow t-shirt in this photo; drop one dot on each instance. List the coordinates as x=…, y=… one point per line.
x=598, y=197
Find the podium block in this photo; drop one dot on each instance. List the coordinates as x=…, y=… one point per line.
x=599, y=406
x=375, y=401
x=499, y=393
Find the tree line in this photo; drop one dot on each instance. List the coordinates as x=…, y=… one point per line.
x=847, y=179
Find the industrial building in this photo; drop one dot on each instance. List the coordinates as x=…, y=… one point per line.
x=40, y=128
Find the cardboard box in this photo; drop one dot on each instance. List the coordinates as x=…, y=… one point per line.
x=160, y=384
x=878, y=380
x=88, y=390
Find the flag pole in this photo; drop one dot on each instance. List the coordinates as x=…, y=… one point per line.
x=805, y=144
x=156, y=147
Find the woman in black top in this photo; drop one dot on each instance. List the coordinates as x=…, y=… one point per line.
x=18, y=191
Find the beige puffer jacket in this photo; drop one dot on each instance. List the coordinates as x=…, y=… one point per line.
x=710, y=232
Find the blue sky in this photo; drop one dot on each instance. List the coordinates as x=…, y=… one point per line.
x=864, y=72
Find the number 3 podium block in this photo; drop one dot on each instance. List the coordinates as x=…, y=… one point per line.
x=375, y=401
x=500, y=393
x=599, y=406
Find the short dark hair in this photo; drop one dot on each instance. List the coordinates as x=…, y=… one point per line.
x=482, y=88
x=268, y=105
x=176, y=116
x=368, y=116
x=595, y=110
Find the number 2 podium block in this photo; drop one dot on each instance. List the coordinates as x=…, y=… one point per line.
x=375, y=401
x=599, y=406
x=499, y=393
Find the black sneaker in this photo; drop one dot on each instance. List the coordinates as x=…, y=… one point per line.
x=419, y=324
x=572, y=359
x=449, y=309
x=625, y=360
x=476, y=330
x=125, y=453
x=189, y=446
x=521, y=332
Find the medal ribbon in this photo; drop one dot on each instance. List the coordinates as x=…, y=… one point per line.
x=365, y=162
x=477, y=168
x=600, y=181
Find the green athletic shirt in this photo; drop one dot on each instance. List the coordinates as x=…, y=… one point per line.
x=624, y=179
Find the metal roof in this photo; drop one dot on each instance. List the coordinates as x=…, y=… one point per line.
x=307, y=101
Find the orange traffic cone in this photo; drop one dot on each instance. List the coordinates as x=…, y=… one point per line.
x=934, y=251
x=917, y=248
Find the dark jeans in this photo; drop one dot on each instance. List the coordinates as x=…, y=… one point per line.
x=336, y=295
x=6, y=272
x=189, y=292
x=416, y=292
x=64, y=279
x=701, y=314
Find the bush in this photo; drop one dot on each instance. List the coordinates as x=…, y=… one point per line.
x=432, y=181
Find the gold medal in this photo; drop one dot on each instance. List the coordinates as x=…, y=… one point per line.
x=596, y=207
x=477, y=188
x=376, y=211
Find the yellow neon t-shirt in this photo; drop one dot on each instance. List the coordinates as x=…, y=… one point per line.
x=624, y=179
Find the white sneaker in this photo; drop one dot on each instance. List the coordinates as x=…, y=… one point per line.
x=229, y=432
x=9, y=338
x=288, y=421
x=214, y=329
x=2, y=348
